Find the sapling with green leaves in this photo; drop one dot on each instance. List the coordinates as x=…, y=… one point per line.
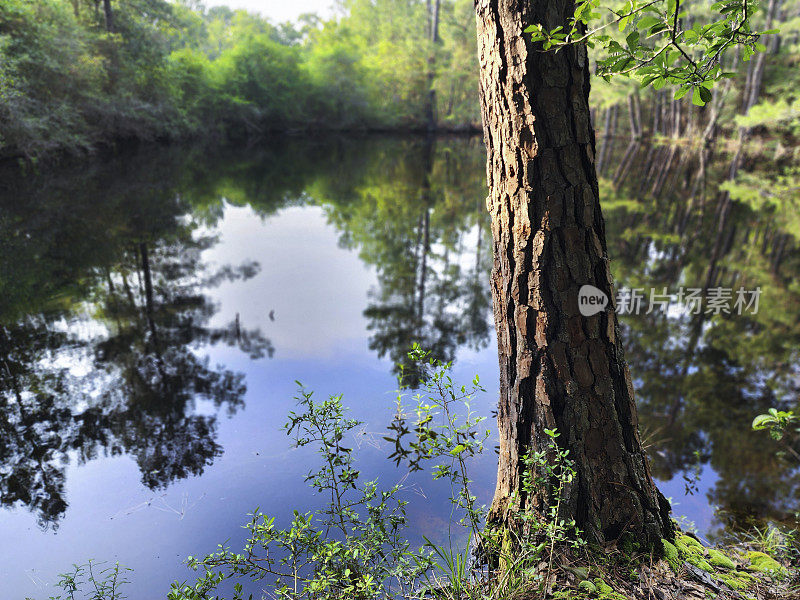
x=354, y=547
x=783, y=426
x=94, y=580
x=537, y=535
x=446, y=430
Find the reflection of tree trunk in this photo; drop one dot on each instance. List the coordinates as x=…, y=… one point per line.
x=698, y=188
x=149, y=304
x=423, y=272
x=427, y=167
x=128, y=291
x=148, y=277
x=608, y=134
x=112, y=295
x=635, y=115
x=479, y=246
x=777, y=256
x=656, y=112
x=663, y=171
x=724, y=207
x=626, y=162
x=686, y=363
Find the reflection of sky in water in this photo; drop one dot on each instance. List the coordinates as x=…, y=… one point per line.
x=318, y=291
x=315, y=288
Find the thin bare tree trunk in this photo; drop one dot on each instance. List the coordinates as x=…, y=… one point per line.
x=109, y=15
x=433, y=33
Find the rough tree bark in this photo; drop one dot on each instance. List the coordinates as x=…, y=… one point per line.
x=558, y=369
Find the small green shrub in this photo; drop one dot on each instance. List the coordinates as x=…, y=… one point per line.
x=92, y=581
x=353, y=548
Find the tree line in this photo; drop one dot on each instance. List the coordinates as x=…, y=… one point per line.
x=79, y=74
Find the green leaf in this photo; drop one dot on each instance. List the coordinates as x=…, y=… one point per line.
x=648, y=21
x=657, y=28
x=648, y=80
x=763, y=421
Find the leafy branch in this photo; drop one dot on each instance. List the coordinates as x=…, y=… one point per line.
x=658, y=49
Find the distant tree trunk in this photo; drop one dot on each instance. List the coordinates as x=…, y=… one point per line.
x=756, y=74
x=109, y=16
x=433, y=33
x=558, y=369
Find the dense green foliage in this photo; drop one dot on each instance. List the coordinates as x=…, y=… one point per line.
x=71, y=77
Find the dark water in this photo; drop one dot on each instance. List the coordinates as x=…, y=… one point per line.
x=157, y=308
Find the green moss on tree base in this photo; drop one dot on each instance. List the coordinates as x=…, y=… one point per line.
x=606, y=592
x=764, y=563
x=692, y=544
x=700, y=563
x=671, y=555
x=718, y=559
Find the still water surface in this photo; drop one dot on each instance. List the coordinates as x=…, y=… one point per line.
x=157, y=309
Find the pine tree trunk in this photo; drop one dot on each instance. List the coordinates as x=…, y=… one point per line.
x=558, y=369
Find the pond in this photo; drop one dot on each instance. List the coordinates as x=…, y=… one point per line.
x=158, y=308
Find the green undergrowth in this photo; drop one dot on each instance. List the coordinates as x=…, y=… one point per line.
x=356, y=545
x=735, y=568
x=730, y=572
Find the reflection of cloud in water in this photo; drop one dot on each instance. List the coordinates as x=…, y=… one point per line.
x=317, y=305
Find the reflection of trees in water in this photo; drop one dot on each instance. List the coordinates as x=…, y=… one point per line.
x=105, y=360
x=117, y=243
x=419, y=219
x=700, y=380
x=414, y=209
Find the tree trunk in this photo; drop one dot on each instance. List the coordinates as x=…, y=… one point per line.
x=753, y=90
x=558, y=369
x=109, y=15
x=433, y=33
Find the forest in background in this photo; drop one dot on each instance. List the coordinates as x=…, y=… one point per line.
x=76, y=75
